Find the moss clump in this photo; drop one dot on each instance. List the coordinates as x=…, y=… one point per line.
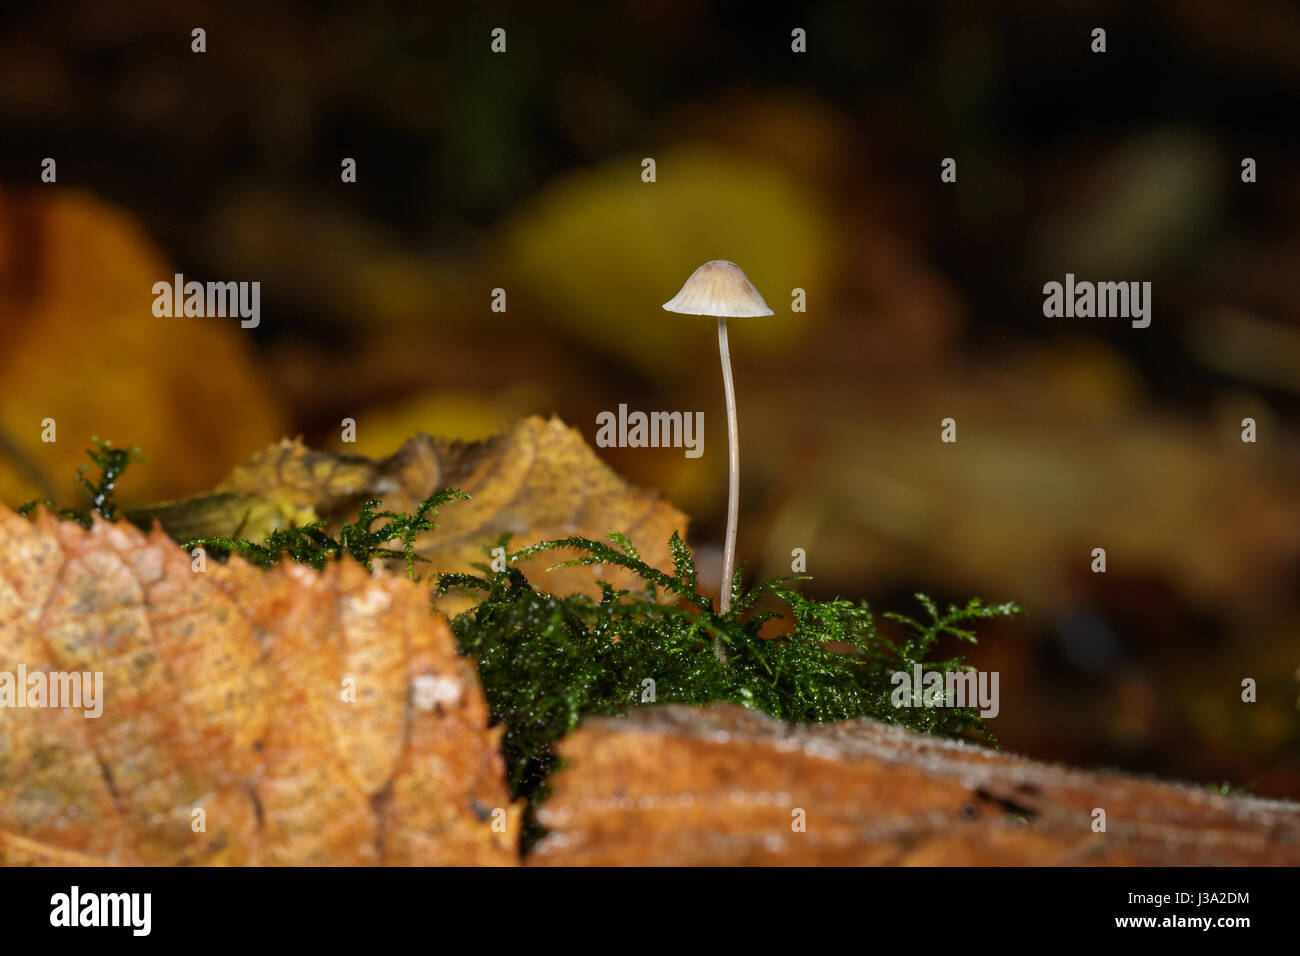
x=546, y=661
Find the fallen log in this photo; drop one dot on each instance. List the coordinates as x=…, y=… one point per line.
x=722, y=785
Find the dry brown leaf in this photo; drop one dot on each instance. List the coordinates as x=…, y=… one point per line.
x=223, y=690
x=537, y=481
x=720, y=785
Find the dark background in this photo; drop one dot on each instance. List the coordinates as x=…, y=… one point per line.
x=816, y=170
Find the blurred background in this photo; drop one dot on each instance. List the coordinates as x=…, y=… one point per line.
x=817, y=171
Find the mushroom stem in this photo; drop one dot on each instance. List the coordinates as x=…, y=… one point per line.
x=733, y=456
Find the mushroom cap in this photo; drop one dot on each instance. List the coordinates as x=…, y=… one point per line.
x=718, y=288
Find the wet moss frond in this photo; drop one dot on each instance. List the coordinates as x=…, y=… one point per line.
x=312, y=544
x=112, y=463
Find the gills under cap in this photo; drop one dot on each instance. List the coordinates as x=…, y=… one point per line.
x=718, y=288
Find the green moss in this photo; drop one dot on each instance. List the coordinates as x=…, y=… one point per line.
x=546, y=661
x=112, y=463
x=312, y=544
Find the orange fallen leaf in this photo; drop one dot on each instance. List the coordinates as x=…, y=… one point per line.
x=81, y=347
x=312, y=718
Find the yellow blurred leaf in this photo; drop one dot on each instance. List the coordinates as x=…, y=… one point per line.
x=463, y=415
x=604, y=250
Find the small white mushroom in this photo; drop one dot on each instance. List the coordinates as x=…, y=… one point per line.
x=721, y=288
